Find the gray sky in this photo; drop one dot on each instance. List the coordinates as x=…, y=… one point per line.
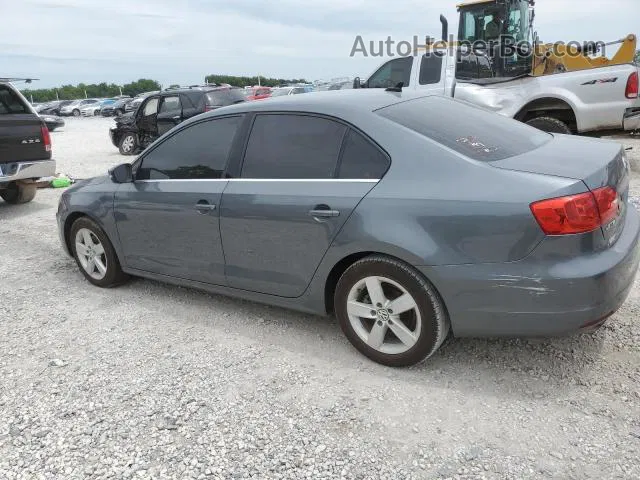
x=180, y=41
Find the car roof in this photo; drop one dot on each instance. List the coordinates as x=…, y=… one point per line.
x=339, y=103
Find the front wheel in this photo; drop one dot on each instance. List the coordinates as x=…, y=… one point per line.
x=390, y=312
x=17, y=193
x=76, y=112
x=95, y=254
x=128, y=144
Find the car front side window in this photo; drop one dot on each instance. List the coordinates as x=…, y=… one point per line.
x=151, y=107
x=199, y=151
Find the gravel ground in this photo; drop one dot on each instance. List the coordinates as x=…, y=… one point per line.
x=156, y=381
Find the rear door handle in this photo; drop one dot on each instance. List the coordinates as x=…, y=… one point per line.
x=324, y=213
x=204, y=207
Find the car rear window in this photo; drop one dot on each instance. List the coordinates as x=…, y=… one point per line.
x=467, y=129
x=10, y=102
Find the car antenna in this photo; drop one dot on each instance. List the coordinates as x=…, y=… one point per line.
x=397, y=88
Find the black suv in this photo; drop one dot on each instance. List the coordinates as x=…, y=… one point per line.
x=160, y=112
x=25, y=147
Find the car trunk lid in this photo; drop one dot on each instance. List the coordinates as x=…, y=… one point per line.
x=595, y=162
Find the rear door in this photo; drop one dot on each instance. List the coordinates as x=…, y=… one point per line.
x=20, y=131
x=169, y=113
x=279, y=218
x=168, y=218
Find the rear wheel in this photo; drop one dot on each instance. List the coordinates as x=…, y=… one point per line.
x=95, y=254
x=550, y=125
x=17, y=193
x=128, y=144
x=389, y=312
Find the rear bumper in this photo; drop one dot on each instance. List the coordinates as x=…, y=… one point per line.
x=542, y=295
x=10, y=172
x=631, y=120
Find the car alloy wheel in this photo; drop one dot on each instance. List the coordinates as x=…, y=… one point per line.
x=91, y=254
x=128, y=144
x=95, y=254
x=390, y=312
x=384, y=315
x=76, y=113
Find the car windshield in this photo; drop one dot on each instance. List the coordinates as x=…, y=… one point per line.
x=469, y=130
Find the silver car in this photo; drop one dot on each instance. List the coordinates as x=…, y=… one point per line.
x=408, y=217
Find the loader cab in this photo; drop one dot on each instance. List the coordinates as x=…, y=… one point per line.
x=493, y=38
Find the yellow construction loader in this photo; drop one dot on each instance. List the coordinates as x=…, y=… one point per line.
x=508, y=24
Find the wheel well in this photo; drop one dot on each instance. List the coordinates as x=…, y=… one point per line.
x=67, y=227
x=549, y=107
x=336, y=273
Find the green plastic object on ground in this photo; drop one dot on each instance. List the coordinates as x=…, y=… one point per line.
x=61, y=182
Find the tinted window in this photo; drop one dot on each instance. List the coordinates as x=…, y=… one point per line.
x=292, y=146
x=170, y=104
x=199, y=151
x=392, y=73
x=236, y=96
x=469, y=130
x=10, y=102
x=362, y=159
x=430, y=69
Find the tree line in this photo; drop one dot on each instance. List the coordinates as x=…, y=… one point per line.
x=251, y=81
x=100, y=90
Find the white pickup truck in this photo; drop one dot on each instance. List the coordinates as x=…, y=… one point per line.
x=603, y=98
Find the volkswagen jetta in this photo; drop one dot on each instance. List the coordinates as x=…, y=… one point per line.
x=405, y=216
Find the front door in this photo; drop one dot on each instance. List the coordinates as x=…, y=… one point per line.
x=279, y=219
x=169, y=114
x=168, y=218
x=147, y=120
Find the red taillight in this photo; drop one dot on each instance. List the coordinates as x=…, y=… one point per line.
x=576, y=213
x=632, y=86
x=46, y=138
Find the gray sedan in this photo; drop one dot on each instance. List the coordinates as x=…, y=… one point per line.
x=407, y=217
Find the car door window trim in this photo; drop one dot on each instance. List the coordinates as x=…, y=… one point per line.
x=324, y=180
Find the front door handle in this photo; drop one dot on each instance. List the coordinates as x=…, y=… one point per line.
x=324, y=211
x=176, y=118
x=204, y=207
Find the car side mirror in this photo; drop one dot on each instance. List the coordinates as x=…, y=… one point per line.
x=123, y=173
x=357, y=83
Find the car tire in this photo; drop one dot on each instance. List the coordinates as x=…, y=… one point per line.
x=550, y=125
x=17, y=193
x=395, y=339
x=128, y=144
x=76, y=112
x=94, y=254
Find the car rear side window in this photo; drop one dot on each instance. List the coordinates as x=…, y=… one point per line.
x=430, y=69
x=361, y=159
x=469, y=130
x=217, y=99
x=293, y=146
x=10, y=102
x=199, y=151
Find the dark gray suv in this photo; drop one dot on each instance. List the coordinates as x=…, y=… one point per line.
x=405, y=216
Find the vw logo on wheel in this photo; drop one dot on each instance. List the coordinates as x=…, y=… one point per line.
x=383, y=314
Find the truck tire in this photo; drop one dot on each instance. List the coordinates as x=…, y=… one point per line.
x=17, y=193
x=550, y=125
